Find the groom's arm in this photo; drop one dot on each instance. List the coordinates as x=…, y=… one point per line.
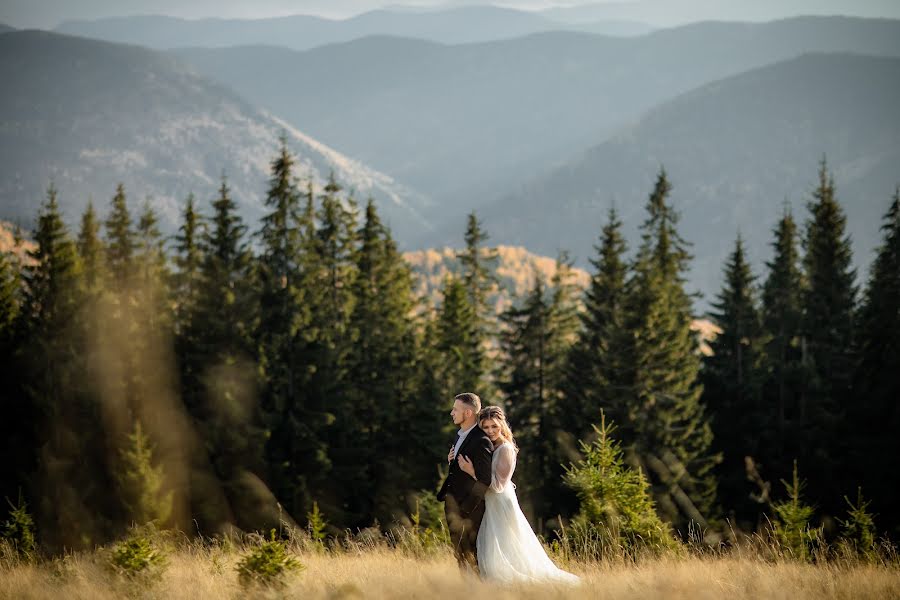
x=481, y=460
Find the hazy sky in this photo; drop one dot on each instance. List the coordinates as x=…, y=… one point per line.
x=47, y=14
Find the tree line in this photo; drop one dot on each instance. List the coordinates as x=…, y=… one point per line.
x=229, y=378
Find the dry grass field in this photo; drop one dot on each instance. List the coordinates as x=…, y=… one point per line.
x=196, y=571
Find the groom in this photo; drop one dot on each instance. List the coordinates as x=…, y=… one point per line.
x=462, y=494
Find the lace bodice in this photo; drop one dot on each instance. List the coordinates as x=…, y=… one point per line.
x=503, y=464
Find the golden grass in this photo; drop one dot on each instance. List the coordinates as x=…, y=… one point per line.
x=209, y=572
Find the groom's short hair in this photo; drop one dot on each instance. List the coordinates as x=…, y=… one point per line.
x=470, y=399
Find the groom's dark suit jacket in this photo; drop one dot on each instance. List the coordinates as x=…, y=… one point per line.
x=469, y=492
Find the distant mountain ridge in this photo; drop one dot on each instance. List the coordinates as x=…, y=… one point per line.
x=466, y=124
x=87, y=115
x=734, y=150
x=461, y=25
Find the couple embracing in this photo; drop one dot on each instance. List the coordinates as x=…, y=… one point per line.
x=490, y=535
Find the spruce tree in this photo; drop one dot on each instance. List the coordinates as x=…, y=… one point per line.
x=616, y=510
x=874, y=414
x=382, y=384
x=11, y=400
x=91, y=250
x=457, y=341
x=599, y=369
x=141, y=481
x=223, y=404
x=829, y=302
x=534, y=344
x=672, y=434
x=61, y=418
x=732, y=382
x=120, y=239
x=782, y=316
x=479, y=276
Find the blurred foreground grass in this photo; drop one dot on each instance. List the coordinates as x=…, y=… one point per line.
x=195, y=570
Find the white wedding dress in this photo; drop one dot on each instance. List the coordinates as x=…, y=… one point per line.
x=508, y=550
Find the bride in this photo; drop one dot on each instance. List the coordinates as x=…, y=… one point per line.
x=507, y=549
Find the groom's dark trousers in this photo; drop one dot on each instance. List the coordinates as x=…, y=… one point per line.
x=463, y=496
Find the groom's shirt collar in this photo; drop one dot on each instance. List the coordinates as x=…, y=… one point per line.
x=462, y=438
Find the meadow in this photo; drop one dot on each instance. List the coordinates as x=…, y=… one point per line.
x=369, y=567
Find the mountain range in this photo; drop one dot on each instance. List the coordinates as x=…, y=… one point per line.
x=87, y=115
x=465, y=124
x=736, y=152
x=463, y=25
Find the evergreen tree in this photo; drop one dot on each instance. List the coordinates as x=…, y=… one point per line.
x=533, y=347
x=616, y=508
x=792, y=521
x=186, y=285
x=782, y=315
x=875, y=417
x=732, y=382
x=60, y=417
x=672, y=435
x=479, y=276
x=141, y=481
x=599, y=366
x=381, y=382
x=91, y=250
x=457, y=341
x=223, y=403
x=121, y=239
x=829, y=302
x=11, y=401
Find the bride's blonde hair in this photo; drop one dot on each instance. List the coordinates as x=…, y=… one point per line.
x=496, y=413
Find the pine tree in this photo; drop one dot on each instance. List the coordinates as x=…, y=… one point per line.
x=382, y=385
x=782, y=315
x=874, y=415
x=121, y=240
x=829, y=302
x=91, y=250
x=223, y=403
x=141, y=481
x=792, y=521
x=732, y=381
x=60, y=416
x=534, y=343
x=11, y=400
x=616, y=511
x=599, y=366
x=153, y=276
x=479, y=276
x=457, y=341
x=672, y=434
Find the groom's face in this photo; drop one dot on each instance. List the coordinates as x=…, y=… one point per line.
x=458, y=412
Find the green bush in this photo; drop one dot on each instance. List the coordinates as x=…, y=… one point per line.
x=317, y=526
x=138, y=556
x=792, y=525
x=858, y=530
x=267, y=564
x=616, y=514
x=18, y=530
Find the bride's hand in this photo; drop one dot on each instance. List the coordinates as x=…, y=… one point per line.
x=450, y=455
x=466, y=465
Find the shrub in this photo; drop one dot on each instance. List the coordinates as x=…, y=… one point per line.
x=18, y=530
x=138, y=556
x=616, y=513
x=858, y=530
x=317, y=525
x=792, y=527
x=267, y=564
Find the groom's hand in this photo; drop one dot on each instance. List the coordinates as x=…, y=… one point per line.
x=450, y=456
